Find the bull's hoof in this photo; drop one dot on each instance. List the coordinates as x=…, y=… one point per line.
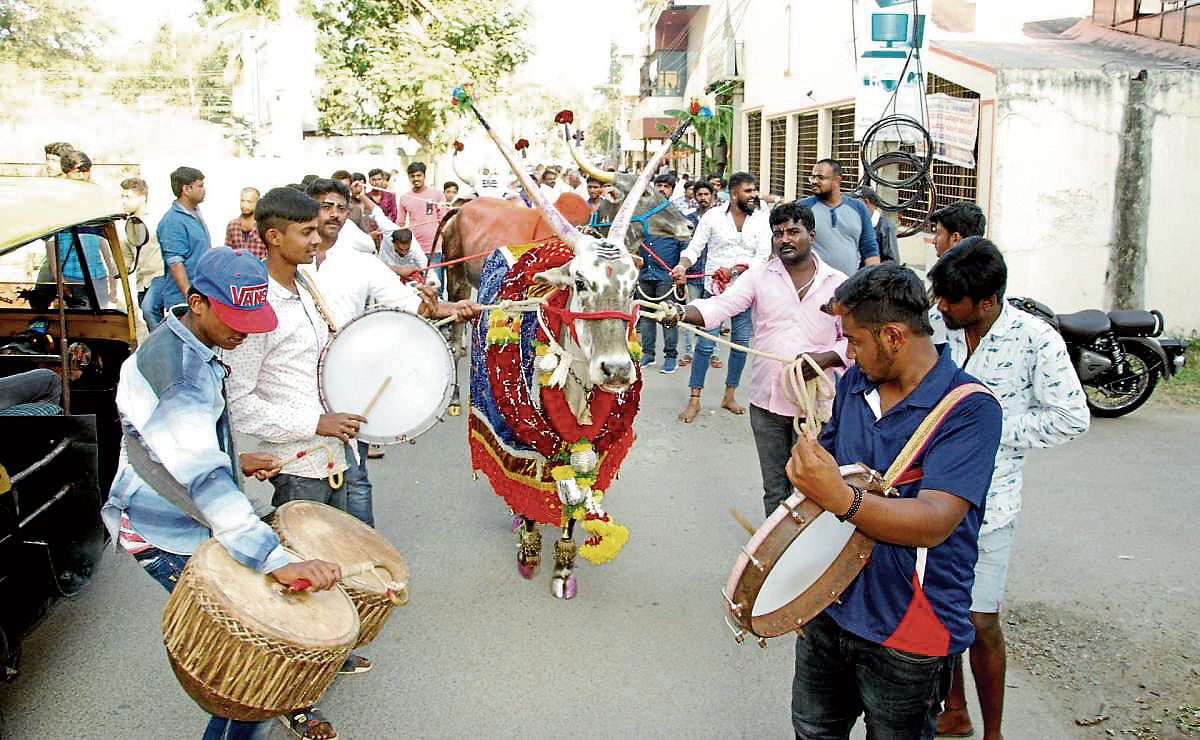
x=526, y=572
x=529, y=549
x=564, y=588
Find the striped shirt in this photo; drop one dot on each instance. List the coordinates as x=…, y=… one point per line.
x=171, y=397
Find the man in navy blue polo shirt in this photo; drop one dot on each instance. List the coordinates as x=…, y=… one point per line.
x=888, y=648
x=184, y=239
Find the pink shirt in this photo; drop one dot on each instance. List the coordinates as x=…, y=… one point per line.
x=784, y=325
x=421, y=212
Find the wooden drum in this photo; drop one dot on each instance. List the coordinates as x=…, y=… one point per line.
x=243, y=648
x=315, y=530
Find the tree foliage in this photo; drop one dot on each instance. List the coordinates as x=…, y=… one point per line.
x=216, y=8
x=391, y=66
x=46, y=34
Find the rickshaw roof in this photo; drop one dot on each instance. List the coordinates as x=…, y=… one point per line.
x=34, y=207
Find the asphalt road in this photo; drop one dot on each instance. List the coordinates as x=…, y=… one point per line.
x=1108, y=533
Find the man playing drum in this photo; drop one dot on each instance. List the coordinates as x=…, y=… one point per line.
x=347, y=279
x=171, y=398
x=888, y=646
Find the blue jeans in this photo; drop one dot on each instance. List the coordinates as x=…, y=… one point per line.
x=840, y=676
x=358, y=486
x=152, y=307
x=165, y=568
x=30, y=386
x=695, y=291
x=439, y=273
x=648, y=329
x=297, y=488
x=742, y=328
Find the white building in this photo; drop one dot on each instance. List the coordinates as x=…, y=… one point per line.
x=1088, y=124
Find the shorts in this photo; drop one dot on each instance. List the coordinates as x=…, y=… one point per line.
x=991, y=569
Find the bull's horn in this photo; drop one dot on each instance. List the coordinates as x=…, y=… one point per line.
x=561, y=226
x=608, y=178
x=620, y=222
x=458, y=173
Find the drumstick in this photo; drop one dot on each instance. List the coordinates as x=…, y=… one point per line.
x=348, y=571
x=367, y=411
x=742, y=520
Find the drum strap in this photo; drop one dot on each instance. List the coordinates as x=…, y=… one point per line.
x=318, y=301
x=902, y=471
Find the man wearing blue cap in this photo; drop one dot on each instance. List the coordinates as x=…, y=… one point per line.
x=177, y=481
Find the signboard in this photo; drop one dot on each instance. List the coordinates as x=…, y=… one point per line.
x=954, y=126
x=888, y=35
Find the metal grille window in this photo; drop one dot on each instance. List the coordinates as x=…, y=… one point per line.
x=953, y=183
x=778, y=154
x=845, y=149
x=806, y=151
x=754, y=142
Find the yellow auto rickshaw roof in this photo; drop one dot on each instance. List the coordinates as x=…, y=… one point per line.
x=33, y=207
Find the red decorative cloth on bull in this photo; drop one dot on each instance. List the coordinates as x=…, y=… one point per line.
x=522, y=431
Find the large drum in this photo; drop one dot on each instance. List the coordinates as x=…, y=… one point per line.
x=243, y=647
x=393, y=365
x=797, y=563
x=316, y=531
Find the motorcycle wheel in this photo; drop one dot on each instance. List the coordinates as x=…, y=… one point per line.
x=1117, y=398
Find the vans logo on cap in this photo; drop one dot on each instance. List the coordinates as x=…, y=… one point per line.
x=248, y=296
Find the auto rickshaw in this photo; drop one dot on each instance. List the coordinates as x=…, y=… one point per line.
x=65, y=305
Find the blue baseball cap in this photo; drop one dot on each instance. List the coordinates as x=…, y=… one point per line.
x=235, y=283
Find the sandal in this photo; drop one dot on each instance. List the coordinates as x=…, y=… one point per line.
x=685, y=361
x=715, y=363
x=355, y=664
x=303, y=723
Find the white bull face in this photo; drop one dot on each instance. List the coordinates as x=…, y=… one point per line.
x=601, y=277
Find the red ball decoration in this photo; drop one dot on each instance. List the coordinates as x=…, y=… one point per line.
x=694, y=108
x=564, y=116
x=458, y=146
x=521, y=144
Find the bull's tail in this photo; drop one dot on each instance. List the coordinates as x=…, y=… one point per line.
x=437, y=234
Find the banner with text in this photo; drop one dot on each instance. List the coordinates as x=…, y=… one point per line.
x=954, y=127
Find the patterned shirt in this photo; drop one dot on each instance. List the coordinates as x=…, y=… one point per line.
x=273, y=385
x=171, y=397
x=1025, y=363
x=726, y=245
x=248, y=240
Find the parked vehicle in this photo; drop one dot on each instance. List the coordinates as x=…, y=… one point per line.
x=1119, y=356
x=57, y=461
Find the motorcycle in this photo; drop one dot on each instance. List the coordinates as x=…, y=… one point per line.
x=1118, y=355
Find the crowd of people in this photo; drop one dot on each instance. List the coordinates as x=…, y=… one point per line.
x=236, y=332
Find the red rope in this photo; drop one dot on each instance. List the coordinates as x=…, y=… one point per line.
x=470, y=257
x=668, y=268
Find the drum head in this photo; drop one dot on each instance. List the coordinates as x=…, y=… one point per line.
x=315, y=530
x=374, y=346
x=311, y=619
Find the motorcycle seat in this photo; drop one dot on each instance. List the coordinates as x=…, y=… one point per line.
x=1084, y=325
x=1135, y=322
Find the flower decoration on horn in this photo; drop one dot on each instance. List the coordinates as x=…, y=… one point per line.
x=694, y=107
x=521, y=146
x=564, y=116
x=459, y=146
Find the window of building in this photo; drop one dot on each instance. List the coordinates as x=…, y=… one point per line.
x=845, y=148
x=671, y=78
x=806, y=150
x=952, y=183
x=777, y=174
x=754, y=142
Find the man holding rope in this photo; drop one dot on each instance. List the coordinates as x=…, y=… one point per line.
x=785, y=297
x=659, y=255
x=888, y=645
x=737, y=237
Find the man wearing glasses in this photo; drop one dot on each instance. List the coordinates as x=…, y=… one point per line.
x=845, y=238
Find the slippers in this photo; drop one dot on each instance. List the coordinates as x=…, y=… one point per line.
x=685, y=361
x=715, y=363
x=303, y=721
x=355, y=664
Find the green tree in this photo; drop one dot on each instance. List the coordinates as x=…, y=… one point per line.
x=48, y=34
x=392, y=66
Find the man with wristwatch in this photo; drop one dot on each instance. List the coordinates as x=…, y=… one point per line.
x=888, y=646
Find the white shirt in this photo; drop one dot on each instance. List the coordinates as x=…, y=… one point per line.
x=346, y=279
x=1024, y=362
x=549, y=193
x=726, y=245
x=272, y=384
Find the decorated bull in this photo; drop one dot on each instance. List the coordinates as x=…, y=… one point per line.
x=554, y=391
x=485, y=224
